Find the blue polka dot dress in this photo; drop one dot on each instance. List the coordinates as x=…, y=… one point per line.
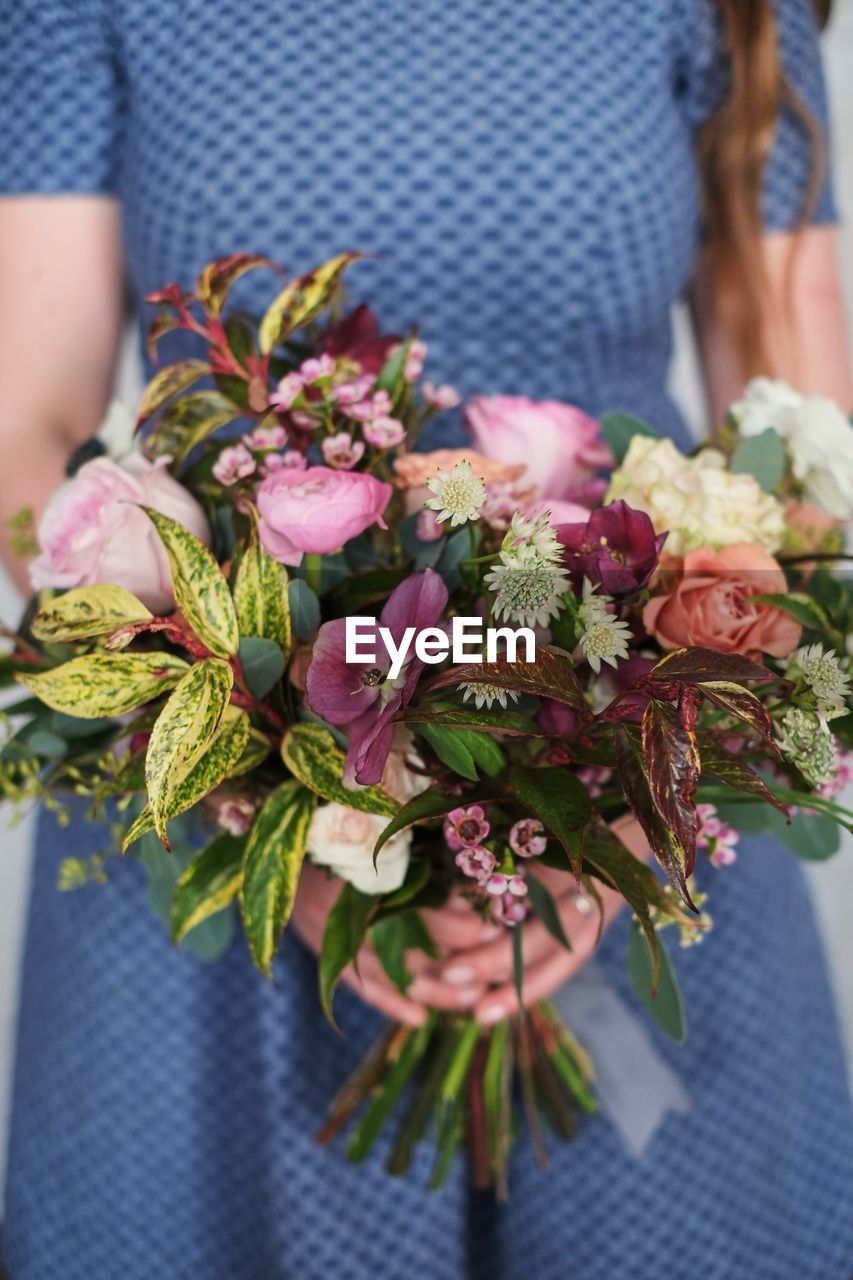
x=525, y=175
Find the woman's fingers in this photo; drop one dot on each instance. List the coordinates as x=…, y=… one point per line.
x=540, y=980
x=457, y=927
x=385, y=997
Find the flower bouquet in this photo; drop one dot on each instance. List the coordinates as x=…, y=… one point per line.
x=273, y=631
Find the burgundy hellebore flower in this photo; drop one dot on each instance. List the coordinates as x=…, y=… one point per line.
x=617, y=549
x=359, y=338
x=360, y=695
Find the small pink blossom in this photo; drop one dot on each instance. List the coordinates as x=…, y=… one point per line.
x=288, y=391
x=427, y=528
x=352, y=392
x=595, y=778
x=377, y=406
x=267, y=437
x=465, y=828
x=317, y=368
x=234, y=463
x=341, y=452
x=476, y=863
x=527, y=838
x=842, y=777
x=415, y=358
x=235, y=815
x=444, y=397
x=306, y=421
x=384, y=432
x=717, y=837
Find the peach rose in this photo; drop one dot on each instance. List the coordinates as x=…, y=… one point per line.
x=707, y=599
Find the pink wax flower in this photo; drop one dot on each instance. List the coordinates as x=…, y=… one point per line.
x=415, y=360
x=341, y=452
x=375, y=406
x=360, y=695
x=478, y=864
x=384, y=432
x=235, y=815
x=270, y=436
x=560, y=447
x=316, y=368
x=288, y=391
x=234, y=463
x=347, y=393
x=717, y=837
x=615, y=547
x=427, y=528
x=444, y=397
x=527, y=838
x=92, y=530
x=465, y=828
x=317, y=510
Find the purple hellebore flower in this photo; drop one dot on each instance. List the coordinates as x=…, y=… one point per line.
x=617, y=549
x=360, y=695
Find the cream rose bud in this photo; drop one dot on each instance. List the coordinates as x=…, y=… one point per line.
x=343, y=840
x=93, y=531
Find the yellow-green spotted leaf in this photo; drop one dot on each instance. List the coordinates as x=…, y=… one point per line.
x=312, y=755
x=105, y=684
x=302, y=301
x=256, y=751
x=260, y=591
x=168, y=382
x=271, y=866
x=216, y=279
x=141, y=825
x=187, y=422
x=86, y=612
x=221, y=760
x=183, y=733
x=210, y=882
x=200, y=588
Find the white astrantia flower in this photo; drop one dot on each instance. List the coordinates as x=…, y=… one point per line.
x=459, y=494
x=805, y=740
x=822, y=673
x=603, y=638
x=486, y=695
x=817, y=436
x=528, y=588
x=535, y=531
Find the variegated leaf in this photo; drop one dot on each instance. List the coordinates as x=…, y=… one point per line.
x=86, y=612
x=271, y=867
x=221, y=760
x=302, y=300
x=183, y=733
x=261, y=597
x=208, y=884
x=188, y=422
x=141, y=825
x=168, y=382
x=200, y=587
x=105, y=684
x=312, y=755
x=216, y=279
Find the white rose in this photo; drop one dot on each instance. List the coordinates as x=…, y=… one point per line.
x=343, y=839
x=766, y=402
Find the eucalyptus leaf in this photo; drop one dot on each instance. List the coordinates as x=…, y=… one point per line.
x=619, y=429
x=665, y=1003
x=763, y=458
x=262, y=662
x=304, y=610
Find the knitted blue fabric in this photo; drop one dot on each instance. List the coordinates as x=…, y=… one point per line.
x=525, y=175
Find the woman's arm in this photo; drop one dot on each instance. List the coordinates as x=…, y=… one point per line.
x=806, y=335
x=60, y=325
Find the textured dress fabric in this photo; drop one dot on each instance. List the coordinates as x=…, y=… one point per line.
x=525, y=176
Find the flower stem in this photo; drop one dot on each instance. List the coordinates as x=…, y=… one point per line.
x=312, y=567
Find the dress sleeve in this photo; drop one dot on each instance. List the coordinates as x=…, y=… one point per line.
x=61, y=98
x=789, y=165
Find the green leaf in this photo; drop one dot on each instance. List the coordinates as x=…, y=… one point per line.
x=261, y=595
x=550, y=676
x=187, y=423
x=105, y=684
x=662, y=998
x=216, y=279
x=263, y=664
x=433, y=803
x=467, y=717
x=392, y=936
x=346, y=929
x=312, y=755
x=391, y=374
x=763, y=457
x=802, y=607
x=813, y=837
x=271, y=867
x=545, y=909
x=200, y=589
x=465, y=751
x=167, y=382
x=208, y=884
x=619, y=429
x=182, y=734
x=304, y=610
x=86, y=612
x=223, y=758
x=301, y=301
x=559, y=800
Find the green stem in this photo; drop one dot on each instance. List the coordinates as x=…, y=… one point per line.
x=312, y=568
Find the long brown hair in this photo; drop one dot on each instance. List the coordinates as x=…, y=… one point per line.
x=733, y=149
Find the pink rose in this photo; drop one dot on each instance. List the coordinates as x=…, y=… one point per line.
x=317, y=510
x=706, y=599
x=92, y=530
x=559, y=447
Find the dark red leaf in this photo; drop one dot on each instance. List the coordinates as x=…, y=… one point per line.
x=696, y=665
x=734, y=772
x=742, y=704
x=550, y=676
x=671, y=762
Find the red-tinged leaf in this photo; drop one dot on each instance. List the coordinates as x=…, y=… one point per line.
x=168, y=382
x=560, y=801
x=742, y=704
x=216, y=279
x=672, y=764
x=496, y=720
x=734, y=772
x=187, y=422
x=301, y=301
x=160, y=326
x=696, y=665
x=550, y=676
x=663, y=842
x=171, y=295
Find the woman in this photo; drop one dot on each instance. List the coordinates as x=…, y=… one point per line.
x=531, y=177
